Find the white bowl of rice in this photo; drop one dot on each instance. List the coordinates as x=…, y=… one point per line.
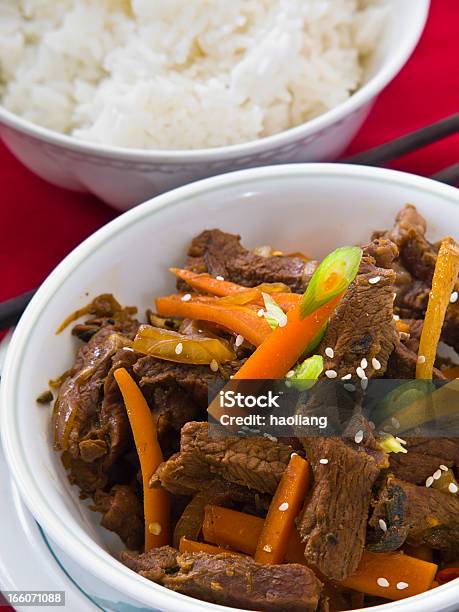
x=129, y=98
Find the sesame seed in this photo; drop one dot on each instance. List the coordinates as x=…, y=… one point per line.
x=395, y=423
x=360, y=372
x=382, y=582
x=358, y=437
x=452, y=487
x=261, y=312
x=219, y=278
x=267, y=548
x=349, y=387
x=396, y=318
x=214, y=365
x=364, y=383
x=364, y=363
x=179, y=348
x=374, y=280
x=323, y=461
x=346, y=377
x=376, y=363
x=383, y=525
x=155, y=528
x=401, y=440
x=270, y=437
x=421, y=359
x=329, y=352
x=404, y=336
x=402, y=585
x=239, y=340
x=331, y=373
x=453, y=298
x=444, y=468
x=186, y=297
x=371, y=425
x=290, y=373
x=394, y=297
x=128, y=348
x=283, y=507
x=293, y=454
x=429, y=481
x=437, y=475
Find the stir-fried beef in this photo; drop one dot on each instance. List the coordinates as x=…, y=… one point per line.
x=122, y=513
x=334, y=518
x=423, y=458
x=240, y=582
x=417, y=515
x=221, y=254
x=415, y=268
x=154, y=564
x=363, y=325
x=255, y=463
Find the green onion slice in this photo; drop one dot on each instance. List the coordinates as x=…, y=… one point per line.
x=305, y=374
x=333, y=276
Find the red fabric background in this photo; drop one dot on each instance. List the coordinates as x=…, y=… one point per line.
x=40, y=224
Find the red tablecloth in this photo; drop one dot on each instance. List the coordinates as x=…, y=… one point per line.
x=40, y=223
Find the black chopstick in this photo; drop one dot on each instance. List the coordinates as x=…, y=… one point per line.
x=406, y=144
x=449, y=175
x=11, y=310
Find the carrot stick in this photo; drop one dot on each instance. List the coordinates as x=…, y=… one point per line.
x=155, y=501
x=443, y=282
x=285, y=506
x=191, y=546
x=405, y=576
x=207, y=283
x=241, y=532
x=243, y=320
x=285, y=345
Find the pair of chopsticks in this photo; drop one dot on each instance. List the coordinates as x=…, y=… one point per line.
x=11, y=310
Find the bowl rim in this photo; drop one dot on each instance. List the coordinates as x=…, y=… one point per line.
x=397, y=58
x=75, y=541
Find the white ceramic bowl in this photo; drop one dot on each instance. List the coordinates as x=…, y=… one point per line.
x=124, y=177
x=307, y=207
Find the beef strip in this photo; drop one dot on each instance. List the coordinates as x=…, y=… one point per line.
x=417, y=515
x=423, y=458
x=240, y=582
x=363, y=325
x=255, y=463
x=122, y=513
x=154, y=564
x=221, y=254
x=334, y=517
x=415, y=268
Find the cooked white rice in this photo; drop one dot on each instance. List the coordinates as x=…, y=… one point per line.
x=181, y=74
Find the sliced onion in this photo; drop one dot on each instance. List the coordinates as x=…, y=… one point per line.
x=172, y=346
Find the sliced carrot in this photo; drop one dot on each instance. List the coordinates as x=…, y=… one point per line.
x=207, y=283
x=285, y=506
x=443, y=282
x=243, y=320
x=285, y=345
x=155, y=501
x=447, y=574
x=240, y=531
x=391, y=575
x=191, y=546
